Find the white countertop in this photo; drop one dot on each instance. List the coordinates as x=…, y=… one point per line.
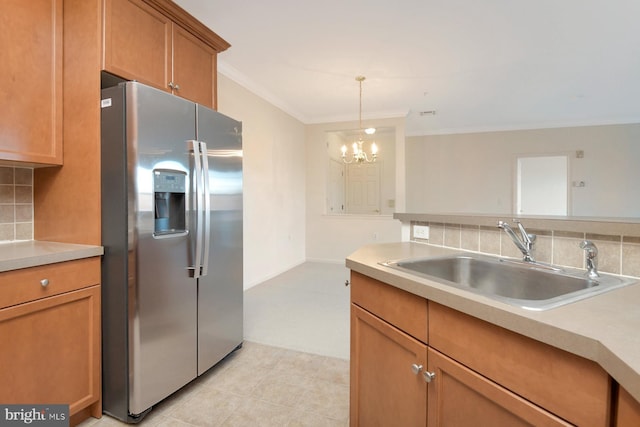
x=33, y=253
x=603, y=328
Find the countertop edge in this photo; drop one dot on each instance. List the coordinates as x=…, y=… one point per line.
x=562, y=327
x=34, y=253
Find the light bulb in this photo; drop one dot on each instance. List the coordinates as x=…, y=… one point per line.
x=374, y=148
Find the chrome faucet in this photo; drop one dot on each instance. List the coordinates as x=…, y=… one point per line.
x=591, y=258
x=525, y=243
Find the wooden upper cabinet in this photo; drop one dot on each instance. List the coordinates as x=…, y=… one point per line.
x=137, y=43
x=194, y=68
x=31, y=81
x=157, y=43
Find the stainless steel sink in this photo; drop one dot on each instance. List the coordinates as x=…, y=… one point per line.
x=532, y=286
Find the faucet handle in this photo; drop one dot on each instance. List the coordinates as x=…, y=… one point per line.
x=590, y=248
x=526, y=237
x=591, y=255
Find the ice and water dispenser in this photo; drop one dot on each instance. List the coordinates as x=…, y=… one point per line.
x=169, y=192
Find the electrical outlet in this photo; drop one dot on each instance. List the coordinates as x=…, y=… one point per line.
x=421, y=232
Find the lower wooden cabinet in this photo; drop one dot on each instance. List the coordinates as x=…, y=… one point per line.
x=575, y=389
x=627, y=410
x=50, y=346
x=387, y=388
x=464, y=372
x=459, y=396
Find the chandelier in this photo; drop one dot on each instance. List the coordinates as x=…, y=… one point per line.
x=359, y=156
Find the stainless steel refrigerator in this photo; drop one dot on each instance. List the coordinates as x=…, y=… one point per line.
x=172, y=237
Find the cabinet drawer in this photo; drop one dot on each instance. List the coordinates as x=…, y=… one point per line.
x=573, y=388
x=402, y=309
x=19, y=286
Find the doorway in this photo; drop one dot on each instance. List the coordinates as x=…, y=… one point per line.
x=363, y=188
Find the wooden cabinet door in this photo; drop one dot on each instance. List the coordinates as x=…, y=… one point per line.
x=384, y=389
x=194, y=68
x=459, y=396
x=628, y=410
x=31, y=81
x=574, y=388
x=51, y=351
x=137, y=43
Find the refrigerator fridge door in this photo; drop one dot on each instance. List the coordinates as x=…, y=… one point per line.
x=220, y=285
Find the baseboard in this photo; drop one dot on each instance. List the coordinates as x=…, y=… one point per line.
x=328, y=261
x=272, y=275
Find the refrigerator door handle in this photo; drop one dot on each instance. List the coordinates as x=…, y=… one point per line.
x=197, y=197
x=207, y=208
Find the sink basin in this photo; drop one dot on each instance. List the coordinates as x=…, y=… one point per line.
x=528, y=285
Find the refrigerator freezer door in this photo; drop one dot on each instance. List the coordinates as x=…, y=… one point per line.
x=221, y=285
x=163, y=299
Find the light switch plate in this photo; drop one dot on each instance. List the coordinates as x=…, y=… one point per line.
x=421, y=232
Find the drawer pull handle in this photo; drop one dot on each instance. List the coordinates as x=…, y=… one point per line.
x=415, y=368
x=44, y=282
x=429, y=376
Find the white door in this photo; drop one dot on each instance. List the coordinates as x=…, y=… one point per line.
x=363, y=188
x=335, y=193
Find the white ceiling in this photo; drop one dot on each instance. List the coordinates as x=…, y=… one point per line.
x=481, y=65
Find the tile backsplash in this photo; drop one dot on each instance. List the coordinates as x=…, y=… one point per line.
x=617, y=254
x=16, y=203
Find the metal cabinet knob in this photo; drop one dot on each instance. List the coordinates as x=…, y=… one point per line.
x=44, y=282
x=429, y=376
x=415, y=368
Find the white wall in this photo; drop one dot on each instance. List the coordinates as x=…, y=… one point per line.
x=333, y=237
x=274, y=183
x=474, y=173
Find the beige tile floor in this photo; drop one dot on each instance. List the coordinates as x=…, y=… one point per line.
x=272, y=382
